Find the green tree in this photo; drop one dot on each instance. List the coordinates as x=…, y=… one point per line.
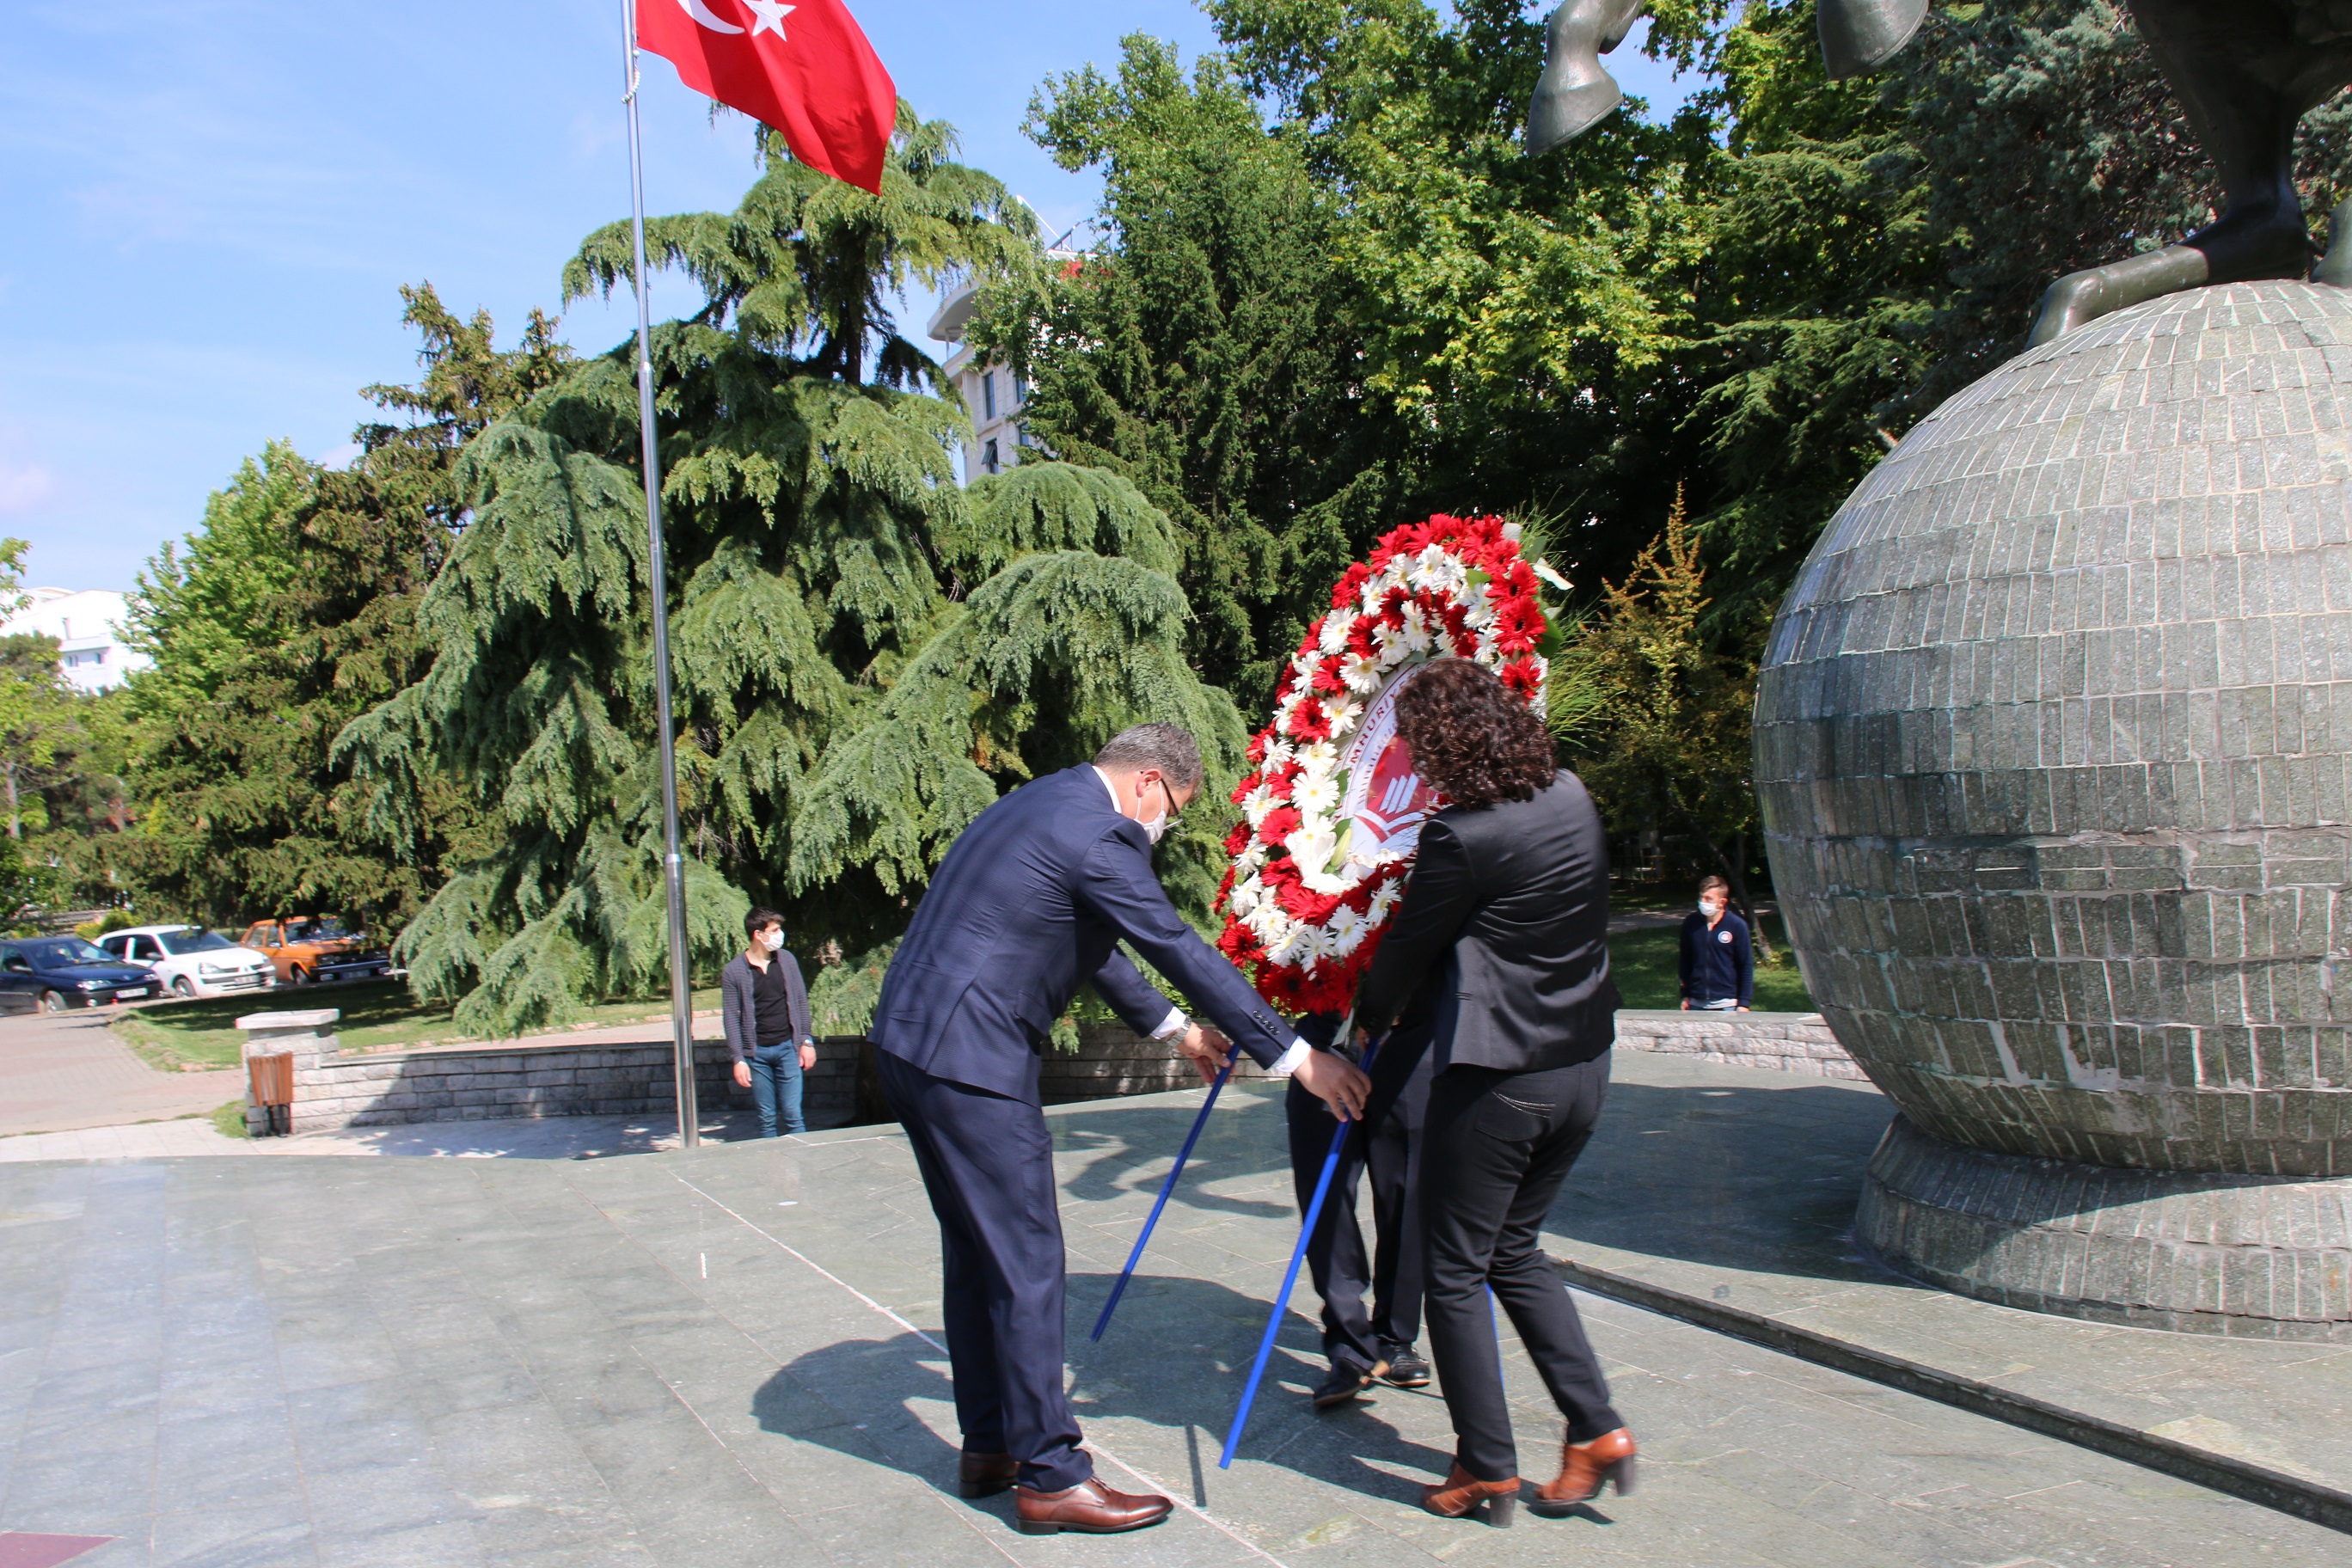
x=200, y=607
x=1207, y=357
x=1655, y=711
x=863, y=655
x=296, y=612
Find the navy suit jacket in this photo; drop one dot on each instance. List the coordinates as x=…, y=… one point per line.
x=1030, y=903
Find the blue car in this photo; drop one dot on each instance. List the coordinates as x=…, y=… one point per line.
x=51, y=973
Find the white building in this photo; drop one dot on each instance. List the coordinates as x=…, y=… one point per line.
x=993, y=395
x=91, y=654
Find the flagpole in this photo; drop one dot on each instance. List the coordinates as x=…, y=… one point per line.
x=681, y=1002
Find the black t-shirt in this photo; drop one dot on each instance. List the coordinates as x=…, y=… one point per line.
x=771, y=1002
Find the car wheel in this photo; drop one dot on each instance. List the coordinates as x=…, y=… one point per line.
x=52, y=1002
x=299, y=975
x=183, y=987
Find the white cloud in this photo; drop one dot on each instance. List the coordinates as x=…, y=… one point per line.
x=24, y=485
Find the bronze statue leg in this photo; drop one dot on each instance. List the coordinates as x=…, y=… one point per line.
x=1574, y=91
x=1858, y=35
x=2244, y=81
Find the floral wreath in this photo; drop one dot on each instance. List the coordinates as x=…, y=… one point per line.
x=1332, y=811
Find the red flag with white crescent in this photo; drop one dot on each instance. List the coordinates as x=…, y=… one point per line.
x=804, y=67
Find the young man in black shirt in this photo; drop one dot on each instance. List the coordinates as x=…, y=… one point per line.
x=767, y=1015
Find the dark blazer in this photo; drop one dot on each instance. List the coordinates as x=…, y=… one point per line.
x=1030, y=903
x=1508, y=905
x=739, y=1010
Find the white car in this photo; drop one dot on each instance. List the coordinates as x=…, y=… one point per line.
x=192, y=961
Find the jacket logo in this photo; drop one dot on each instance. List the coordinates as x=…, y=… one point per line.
x=1723, y=936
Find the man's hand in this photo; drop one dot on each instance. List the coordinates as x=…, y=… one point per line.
x=1207, y=1049
x=1336, y=1082
x=1686, y=1005
x=742, y=1075
x=808, y=1058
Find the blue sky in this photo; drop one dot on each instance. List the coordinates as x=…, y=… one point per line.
x=216, y=202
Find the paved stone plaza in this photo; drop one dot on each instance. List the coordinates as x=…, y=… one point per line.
x=725, y=1357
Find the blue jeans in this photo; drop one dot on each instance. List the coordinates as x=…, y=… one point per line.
x=776, y=1088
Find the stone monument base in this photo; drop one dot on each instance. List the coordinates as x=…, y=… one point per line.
x=2253, y=1256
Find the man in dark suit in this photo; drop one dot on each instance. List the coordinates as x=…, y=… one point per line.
x=1507, y=913
x=1363, y=1343
x=1031, y=903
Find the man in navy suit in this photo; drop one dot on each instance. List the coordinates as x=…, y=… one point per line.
x=1031, y=903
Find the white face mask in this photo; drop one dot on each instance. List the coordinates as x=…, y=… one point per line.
x=1709, y=909
x=771, y=939
x=1157, y=826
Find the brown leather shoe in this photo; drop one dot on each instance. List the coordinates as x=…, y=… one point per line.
x=1584, y=1469
x=1460, y=1494
x=1090, y=1508
x=985, y=1474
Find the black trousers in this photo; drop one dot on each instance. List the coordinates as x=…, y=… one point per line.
x=1387, y=1145
x=1498, y=1146
x=988, y=1163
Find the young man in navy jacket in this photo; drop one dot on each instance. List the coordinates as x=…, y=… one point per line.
x=1718, y=966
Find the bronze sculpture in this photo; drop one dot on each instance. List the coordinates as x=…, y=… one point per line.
x=2246, y=73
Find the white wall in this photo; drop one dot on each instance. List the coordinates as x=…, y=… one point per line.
x=86, y=623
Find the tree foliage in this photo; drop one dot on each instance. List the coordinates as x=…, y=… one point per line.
x=293, y=611
x=863, y=654
x=1655, y=709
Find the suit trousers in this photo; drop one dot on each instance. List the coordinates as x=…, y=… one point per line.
x=1387, y=1146
x=987, y=1164
x=1498, y=1147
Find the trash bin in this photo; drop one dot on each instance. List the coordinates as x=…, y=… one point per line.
x=272, y=1078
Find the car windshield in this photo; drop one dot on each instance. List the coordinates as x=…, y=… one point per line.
x=325, y=929
x=57, y=952
x=195, y=939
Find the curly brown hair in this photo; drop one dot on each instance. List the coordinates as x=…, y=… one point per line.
x=1473, y=737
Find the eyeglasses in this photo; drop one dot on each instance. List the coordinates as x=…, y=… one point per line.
x=1174, y=811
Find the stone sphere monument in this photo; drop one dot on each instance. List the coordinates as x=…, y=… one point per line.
x=2053, y=740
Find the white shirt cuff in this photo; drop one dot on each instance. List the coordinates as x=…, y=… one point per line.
x=1171, y=1025
x=1288, y=1063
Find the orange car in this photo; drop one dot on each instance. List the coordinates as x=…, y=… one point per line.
x=307, y=949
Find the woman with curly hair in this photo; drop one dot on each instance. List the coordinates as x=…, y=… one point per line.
x=1505, y=924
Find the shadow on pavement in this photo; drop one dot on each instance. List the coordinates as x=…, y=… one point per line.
x=862, y=1399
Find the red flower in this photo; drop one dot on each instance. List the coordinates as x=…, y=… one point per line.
x=1392, y=611
x=1351, y=582
x=1257, y=746
x=1327, y=675
x=1238, y=840
x=1309, y=722
x=1521, y=675
x=1518, y=624
x=1280, y=823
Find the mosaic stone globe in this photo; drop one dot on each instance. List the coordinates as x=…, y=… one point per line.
x=2053, y=741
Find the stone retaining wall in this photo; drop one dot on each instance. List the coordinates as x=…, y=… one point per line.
x=1790, y=1042
x=474, y=1083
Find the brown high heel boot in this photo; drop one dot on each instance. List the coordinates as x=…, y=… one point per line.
x=1461, y=1494
x=1584, y=1469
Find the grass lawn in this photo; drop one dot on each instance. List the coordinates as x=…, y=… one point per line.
x=377, y=1015
x=1646, y=967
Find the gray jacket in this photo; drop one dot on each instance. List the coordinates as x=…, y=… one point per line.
x=741, y=1010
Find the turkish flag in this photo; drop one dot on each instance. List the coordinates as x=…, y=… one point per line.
x=804, y=67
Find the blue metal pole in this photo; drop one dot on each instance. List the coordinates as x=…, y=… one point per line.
x=1290, y=1277
x=1166, y=1187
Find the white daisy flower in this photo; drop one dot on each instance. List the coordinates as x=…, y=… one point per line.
x=1315, y=796
x=1363, y=673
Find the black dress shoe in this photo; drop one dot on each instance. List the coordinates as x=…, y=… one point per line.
x=1406, y=1370
x=985, y=1474
x=1346, y=1382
